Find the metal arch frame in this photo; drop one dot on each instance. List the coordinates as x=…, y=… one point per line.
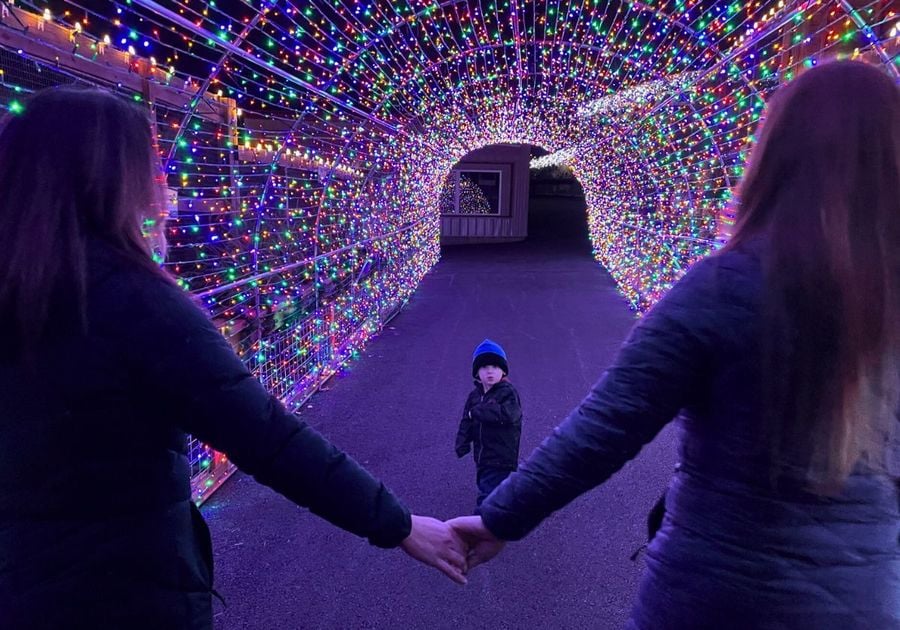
x=863, y=26
x=232, y=49
x=190, y=113
x=195, y=102
x=152, y=5
x=629, y=137
x=326, y=86
x=405, y=22
x=462, y=54
x=723, y=58
x=631, y=140
x=607, y=140
x=802, y=5
x=641, y=6
x=475, y=82
x=397, y=25
x=617, y=126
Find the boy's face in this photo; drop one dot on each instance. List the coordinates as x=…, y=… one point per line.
x=489, y=375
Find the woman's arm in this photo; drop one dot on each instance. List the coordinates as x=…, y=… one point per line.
x=655, y=374
x=189, y=370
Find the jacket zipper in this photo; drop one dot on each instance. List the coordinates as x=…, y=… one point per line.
x=480, y=443
x=480, y=437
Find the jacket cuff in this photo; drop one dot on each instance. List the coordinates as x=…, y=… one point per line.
x=509, y=529
x=393, y=529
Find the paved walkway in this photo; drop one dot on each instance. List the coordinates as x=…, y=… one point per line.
x=396, y=411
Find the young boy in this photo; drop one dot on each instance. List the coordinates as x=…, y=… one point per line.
x=492, y=419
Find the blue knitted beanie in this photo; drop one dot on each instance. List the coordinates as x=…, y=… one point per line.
x=489, y=353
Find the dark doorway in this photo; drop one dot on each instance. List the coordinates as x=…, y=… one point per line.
x=557, y=211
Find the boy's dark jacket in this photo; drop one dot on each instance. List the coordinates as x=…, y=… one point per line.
x=493, y=422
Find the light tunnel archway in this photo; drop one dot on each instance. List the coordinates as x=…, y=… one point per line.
x=305, y=141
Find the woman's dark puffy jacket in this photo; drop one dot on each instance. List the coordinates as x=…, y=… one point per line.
x=97, y=526
x=731, y=553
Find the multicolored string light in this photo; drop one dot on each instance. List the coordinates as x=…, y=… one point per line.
x=308, y=142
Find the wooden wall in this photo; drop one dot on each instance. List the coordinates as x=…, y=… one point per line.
x=512, y=222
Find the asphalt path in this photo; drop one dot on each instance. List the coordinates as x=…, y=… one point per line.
x=396, y=410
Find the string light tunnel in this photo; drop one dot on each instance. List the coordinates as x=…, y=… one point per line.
x=305, y=144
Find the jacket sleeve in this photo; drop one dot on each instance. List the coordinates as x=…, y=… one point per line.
x=655, y=374
x=188, y=369
x=464, y=435
x=505, y=409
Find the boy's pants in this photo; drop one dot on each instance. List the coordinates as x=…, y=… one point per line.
x=488, y=478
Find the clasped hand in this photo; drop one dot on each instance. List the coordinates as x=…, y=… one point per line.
x=452, y=547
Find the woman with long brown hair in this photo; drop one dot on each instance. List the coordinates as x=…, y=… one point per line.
x=105, y=364
x=779, y=355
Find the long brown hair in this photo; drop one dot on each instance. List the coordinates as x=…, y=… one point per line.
x=76, y=167
x=823, y=185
